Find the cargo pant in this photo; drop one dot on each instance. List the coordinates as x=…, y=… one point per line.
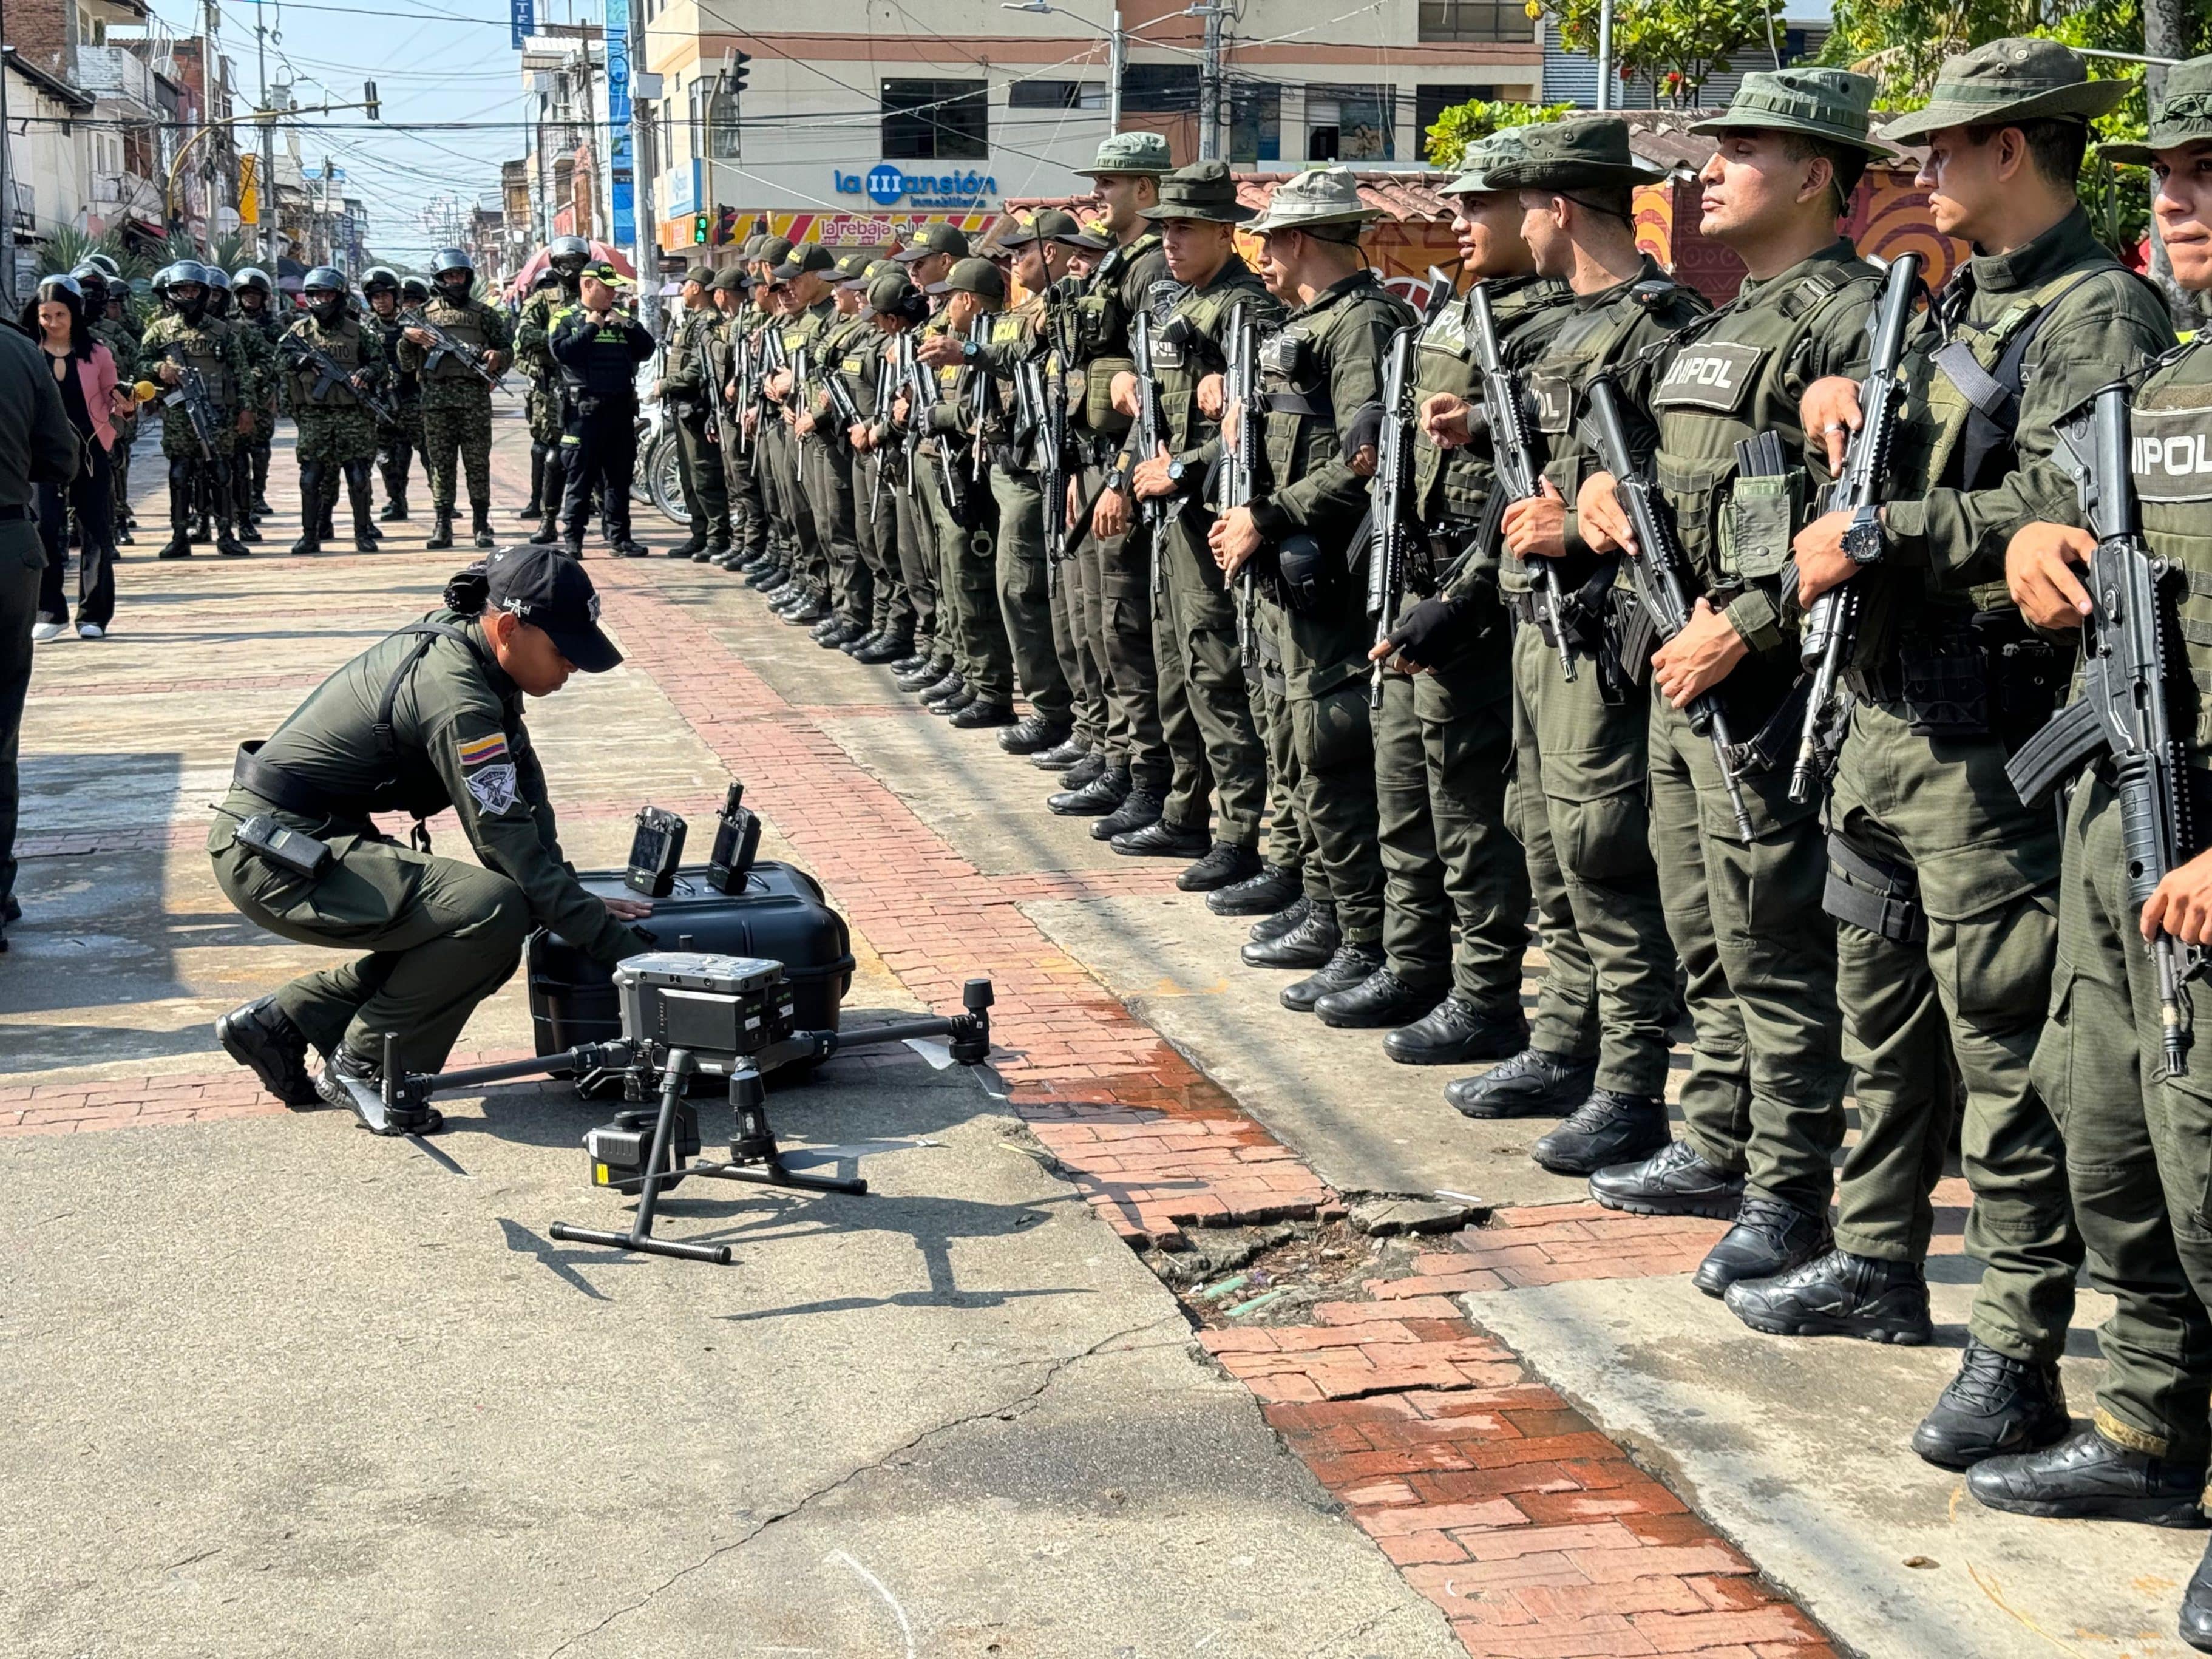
x=1325, y=673
x=968, y=561
x=1129, y=674
x=459, y=428
x=699, y=457
x=1987, y=871
x=828, y=468
x=1033, y=623
x=1289, y=844
x=1765, y=1097
x=1212, y=681
x=1565, y=1019
x=748, y=513
x=1443, y=750
x=440, y=936
x=2138, y=1143
x=1078, y=625
x=875, y=518
x=916, y=530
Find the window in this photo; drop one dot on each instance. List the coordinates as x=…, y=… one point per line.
x=1159, y=89
x=1255, y=124
x=1349, y=124
x=1430, y=102
x=713, y=121
x=1056, y=94
x=936, y=121
x=1476, y=20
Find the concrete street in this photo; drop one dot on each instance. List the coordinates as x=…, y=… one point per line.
x=281, y=1387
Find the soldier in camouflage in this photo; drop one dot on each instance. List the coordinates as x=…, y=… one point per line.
x=201, y=361
x=337, y=431
x=456, y=396
x=254, y=297
x=397, y=441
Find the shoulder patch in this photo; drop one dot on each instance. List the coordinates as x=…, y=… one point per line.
x=493, y=787
x=482, y=751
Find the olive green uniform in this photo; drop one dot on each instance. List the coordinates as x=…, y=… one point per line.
x=1197, y=609
x=456, y=402
x=1759, y=954
x=689, y=390
x=827, y=461
x=546, y=405
x=1581, y=748
x=1949, y=678
x=1036, y=629
x=969, y=554
x=1321, y=369
x=875, y=517
x=441, y=935
x=1457, y=888
x=798, y=471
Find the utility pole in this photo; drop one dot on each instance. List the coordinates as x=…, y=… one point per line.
x=1209, y=85
x=1116, y=58
x=645, y=233
x=1604, y=55
x=7, y=178
x=264, y=191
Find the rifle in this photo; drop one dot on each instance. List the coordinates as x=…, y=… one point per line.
x=1240, y=469
x=1831, y=623
x=1657, y=570
x=920, y=395
x=330, y=373
x=886, y=382
x=1047, y=419
x=1390, y=545
x=979, y=395
x=192, y=395
x=445, y=344
x=2122, y=708
x=1151, y=437
x=798, y=402
x=846, y=411
x=1513, y=454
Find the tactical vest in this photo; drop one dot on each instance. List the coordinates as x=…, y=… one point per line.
x=1103, y=314
x=1444, y=362
x=2170, y=460
x=1184, y=349
x=1294, y=379
x=202, y=348
x=348, y=345
x=1727, y=385
x=470, y=324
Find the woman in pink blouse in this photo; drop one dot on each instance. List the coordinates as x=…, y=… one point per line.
x=85, y=373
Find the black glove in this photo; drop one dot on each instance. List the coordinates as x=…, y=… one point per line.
x=1423, y=628
x=1364, y=430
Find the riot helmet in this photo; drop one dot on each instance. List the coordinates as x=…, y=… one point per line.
x=325, y=291
x=452, y=273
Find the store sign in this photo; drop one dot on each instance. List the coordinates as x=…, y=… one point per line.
x=886, y=183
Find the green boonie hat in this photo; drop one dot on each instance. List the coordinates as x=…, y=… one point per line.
x=887, y=289
x=731, y=280
x=1588, y=153
x=2004, y=82
x=1830, y=105
x=1317, y=199
x=973, y=277
x=703, y=275
x=1050, y=225
x=2181, y=115
x=812, y=257
x=775, y=250
x=1131, y=152
x=1484, y=157
x=937, y=236
x=1204, y=189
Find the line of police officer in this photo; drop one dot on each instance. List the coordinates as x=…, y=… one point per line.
x=1959, y=960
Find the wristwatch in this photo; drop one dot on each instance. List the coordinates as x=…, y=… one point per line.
x=969, y=349
x=1863, y=541
x=1176, y=470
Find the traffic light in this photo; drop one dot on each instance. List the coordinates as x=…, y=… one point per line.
x=699, y=228
x=738, y=62
x=368, y=101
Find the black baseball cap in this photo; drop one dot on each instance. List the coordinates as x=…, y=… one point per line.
x=551, y=591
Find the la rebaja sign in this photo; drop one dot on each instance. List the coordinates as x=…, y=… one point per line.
x=887, y=183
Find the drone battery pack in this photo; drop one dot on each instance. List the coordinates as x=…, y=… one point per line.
x=618, y=1152
x=779, y=914
x=655, y=851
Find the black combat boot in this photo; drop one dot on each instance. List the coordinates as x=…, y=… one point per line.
x=1995, y=1406
x=480, y=524
x=1271, y=928
x=888, y=649
x=1068, y=751
x=1084, y=771
x=442, y=529
x=1608, y=1129
x=716, y=551
x=311, y=489
x=1534, y=1083
x=534, y=508
x=1676, y=1180
x=1380, y=1000
x=919, y=679
x=355, y=1085
x=357, y=495
x=1161, y=840
x=548, y=533
x=950, y=683
x=1261, y=894
x=947, y=707
x=1096, y=798
x=1456, y=1031
x=1139, y=809
x=1841, y=1294
x=2197, y=1607
x=259, y=1037
x=983, y=713
x=694, y=542
x=1226, y=864
x=179, y=545
x=1769, y=1239
x=1032, y=735
x=2086, y=1477
x=1309, y=942
x=1350, y=964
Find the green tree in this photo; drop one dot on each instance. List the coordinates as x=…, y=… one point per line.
x=1464, y=124
x=1679, y=43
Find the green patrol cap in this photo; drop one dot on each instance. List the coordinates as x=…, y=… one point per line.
x=888, y=289
x=775, y=250
x=937, y=236
x=1204, y=189
x=2005, y=82
x=811, y=256
x=852, y=269
x=1323, y=200
x=973, y=277
x=754, y=243
x=1591, y=152
x=1830, y=105
x=1131, y=152
x=2182, y=114
x=1050, y=225
x=731, y=280
x=703, y=275
x=1484, y=157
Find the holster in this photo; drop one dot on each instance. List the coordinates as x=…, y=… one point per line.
x=1872, y=893
x=1994, y=677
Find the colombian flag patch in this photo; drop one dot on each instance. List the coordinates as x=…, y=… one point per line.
x=479, y=751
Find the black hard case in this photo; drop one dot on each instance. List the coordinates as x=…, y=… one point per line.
x=781, y=914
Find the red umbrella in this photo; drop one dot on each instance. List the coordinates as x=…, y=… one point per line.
x=536, y=263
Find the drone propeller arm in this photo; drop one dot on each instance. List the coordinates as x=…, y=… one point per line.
x=421, y=1085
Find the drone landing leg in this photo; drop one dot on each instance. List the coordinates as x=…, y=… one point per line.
x=640, y=1236
x=754, y=1156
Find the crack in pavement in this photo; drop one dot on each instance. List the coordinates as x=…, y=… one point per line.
x=1054, y=1368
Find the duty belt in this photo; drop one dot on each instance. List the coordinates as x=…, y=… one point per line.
x=14, y=514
